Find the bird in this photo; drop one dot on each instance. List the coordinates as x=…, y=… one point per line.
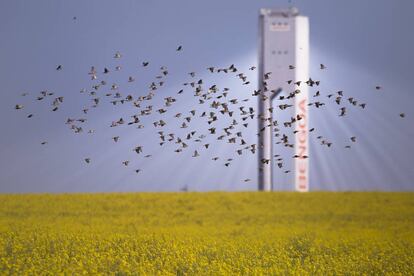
x=145, y=63
x=378, y=87
x=402, y=115
x=87, y=160
x=353, y=139
x=343, y=111
x=117, y=55
x=338, y=100
x=322, y=67
x=138, y=149
x=179, y=48
x=18, y=106
x=59, y=67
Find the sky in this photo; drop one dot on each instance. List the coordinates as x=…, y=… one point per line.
x=362, y=43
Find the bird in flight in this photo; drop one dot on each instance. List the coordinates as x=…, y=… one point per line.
x=117, y=55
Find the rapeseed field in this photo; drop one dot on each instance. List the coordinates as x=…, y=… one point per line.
x=207, y=233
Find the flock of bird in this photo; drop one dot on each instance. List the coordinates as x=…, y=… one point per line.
x=214, y=104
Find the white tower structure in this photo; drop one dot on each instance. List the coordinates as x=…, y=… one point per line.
x=284, y=51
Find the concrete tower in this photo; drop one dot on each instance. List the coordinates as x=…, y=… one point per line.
x=284, y=51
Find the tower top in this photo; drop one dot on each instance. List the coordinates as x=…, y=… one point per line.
x=281, y=12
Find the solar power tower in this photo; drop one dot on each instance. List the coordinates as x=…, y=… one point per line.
x=284, y=51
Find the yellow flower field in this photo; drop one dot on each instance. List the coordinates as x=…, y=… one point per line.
x=207, y=233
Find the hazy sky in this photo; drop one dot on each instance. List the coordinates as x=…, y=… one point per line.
x=363, y=44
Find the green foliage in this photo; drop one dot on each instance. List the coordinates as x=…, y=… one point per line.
x=207, y=233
